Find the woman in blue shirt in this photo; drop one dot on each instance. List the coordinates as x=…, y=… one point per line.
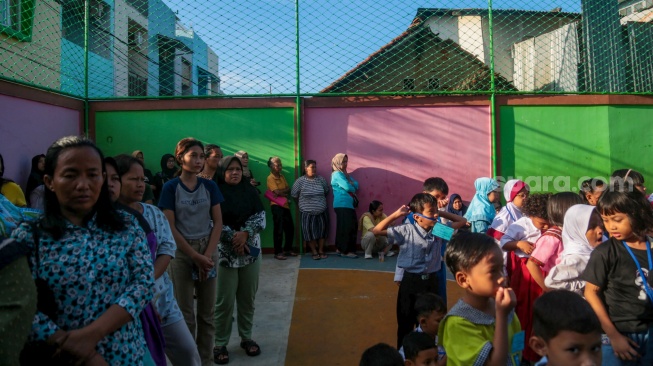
x=344, y=201
x=93, y=258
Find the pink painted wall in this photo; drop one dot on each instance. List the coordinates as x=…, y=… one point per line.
x=28, y=128
x=392, y=150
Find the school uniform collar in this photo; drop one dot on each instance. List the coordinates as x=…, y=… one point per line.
x=466, y=311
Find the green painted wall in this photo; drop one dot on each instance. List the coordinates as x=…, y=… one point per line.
x=543, y=143
x=631, y=140
x=260, y=132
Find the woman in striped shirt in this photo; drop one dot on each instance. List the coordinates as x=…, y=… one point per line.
x=310, y=190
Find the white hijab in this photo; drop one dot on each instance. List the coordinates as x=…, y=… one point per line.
x=574, y=228
x=509, y=213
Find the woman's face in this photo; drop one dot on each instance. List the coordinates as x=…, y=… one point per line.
x=170, y=164
x=140, y=157
x=343, y=166
x=193, y=160
x=244, y=159
x=133, y=185
x=276, y=167
x=213, y=160
x=234, y=173
x=113, y=182
x=41, y=164
x=77, y=180
x=311, y=170
x=457, y=204
x=378, y=212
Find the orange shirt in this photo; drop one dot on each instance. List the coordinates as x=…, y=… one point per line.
x=275, y=183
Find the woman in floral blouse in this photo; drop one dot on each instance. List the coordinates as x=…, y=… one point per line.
x=94, y=259
x=239, y=261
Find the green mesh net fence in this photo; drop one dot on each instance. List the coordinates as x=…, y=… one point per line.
x=101, y=49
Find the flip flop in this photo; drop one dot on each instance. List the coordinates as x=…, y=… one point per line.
x=323, y=256
x=280, y=257
x=316, y=257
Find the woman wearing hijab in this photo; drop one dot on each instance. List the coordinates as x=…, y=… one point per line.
x=344, y=203
x=456, y=205
x=248, y=176
x=150, y=188
x=239, y=261
x=582, y=231
x=515, y=192
x=168, y=170
x=35, y=178
x=481, y=210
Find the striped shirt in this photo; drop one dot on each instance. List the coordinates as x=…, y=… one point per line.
x=311, y=194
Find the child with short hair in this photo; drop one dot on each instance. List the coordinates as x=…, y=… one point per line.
x=617, y=286
x=549, y=246
x=519, y=240
x=381, y=354
x=419, y=350
x=591, y=190
x=568, y=337
x=481, y=212
x=419, y=256
x=581, y=233
x=430, y=309
x=482, y=328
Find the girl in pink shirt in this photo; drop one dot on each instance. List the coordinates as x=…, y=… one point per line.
x=549, y=246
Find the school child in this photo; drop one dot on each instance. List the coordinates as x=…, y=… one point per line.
x=420, y=350
x=515, y=192
x=549, y=246
x=430, y=311
x=482, y=328
x=520, y=239
x=568, y=337
x=581, y=233
x=419, y=256
x=591, y=190
x=481, y=212
x=617, y=286
x=438, y=188
x=381, y=354
x=626, y=180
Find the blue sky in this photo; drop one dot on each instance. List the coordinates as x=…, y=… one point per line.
x=255, y=40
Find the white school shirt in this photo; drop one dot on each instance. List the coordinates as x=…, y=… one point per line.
x=522, y=229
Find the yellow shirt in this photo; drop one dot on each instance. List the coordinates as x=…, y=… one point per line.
x=467, y=333
x=275, y=183
x=14, y=194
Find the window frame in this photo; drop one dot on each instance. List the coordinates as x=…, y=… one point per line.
x=25, y=23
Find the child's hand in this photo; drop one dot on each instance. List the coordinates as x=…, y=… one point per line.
x=403, y=211
x=443, y=203
x=623, y=347
x=525, y=246
x=504, y=301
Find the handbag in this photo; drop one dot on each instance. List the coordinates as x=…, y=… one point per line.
x=355, y=198
x=281, y=201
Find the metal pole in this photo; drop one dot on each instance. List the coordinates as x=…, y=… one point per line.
x=86, y=34
x=298, y=117
x=493, y=90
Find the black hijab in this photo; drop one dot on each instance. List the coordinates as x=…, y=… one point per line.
x=241, y=201
x=166, y=172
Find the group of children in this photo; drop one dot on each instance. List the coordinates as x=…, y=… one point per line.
x=556, y=279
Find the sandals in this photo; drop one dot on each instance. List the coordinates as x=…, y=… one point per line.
x=248, y=345
x=280, y=257
x=221, y=355
x=323, y=256
x=316, y=256
x=290, y=254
